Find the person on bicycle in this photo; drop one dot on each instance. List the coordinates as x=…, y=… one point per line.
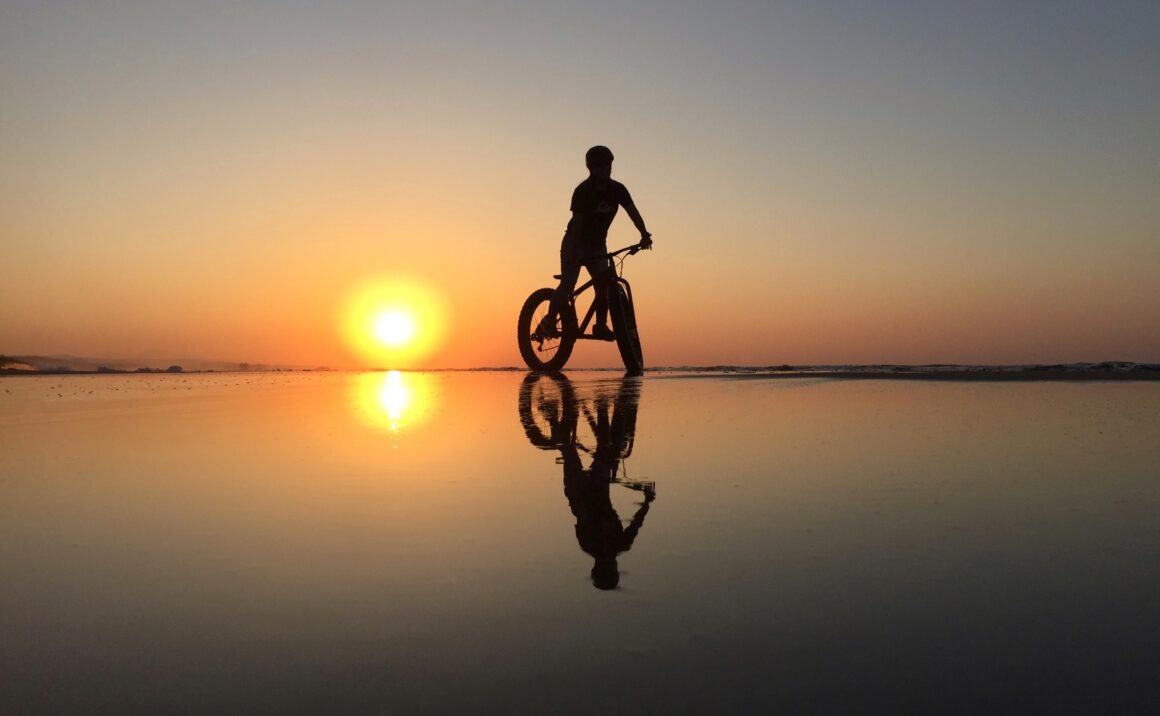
x=594, y=205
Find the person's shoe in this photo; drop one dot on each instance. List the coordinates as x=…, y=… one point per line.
x=547, y=328
x=603, y=332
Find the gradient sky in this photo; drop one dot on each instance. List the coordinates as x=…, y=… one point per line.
x=827, y=182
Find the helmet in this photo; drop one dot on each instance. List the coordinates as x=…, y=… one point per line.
x=599, y=154
x=605, y=573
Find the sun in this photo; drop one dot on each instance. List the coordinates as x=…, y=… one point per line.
x=392, y=321
x=394, y=328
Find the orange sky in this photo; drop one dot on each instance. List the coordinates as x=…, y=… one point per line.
x=826, y=183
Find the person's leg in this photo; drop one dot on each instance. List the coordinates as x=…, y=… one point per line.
x=568, y=276
x=569, y=273
x=603, y=276
x=601, y=307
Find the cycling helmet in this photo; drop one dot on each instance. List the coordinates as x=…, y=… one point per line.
x=599, y=154
x=605, y=574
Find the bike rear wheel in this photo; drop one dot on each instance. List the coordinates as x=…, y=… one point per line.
x=624, y=326
x=539, y=352
x=548, y=410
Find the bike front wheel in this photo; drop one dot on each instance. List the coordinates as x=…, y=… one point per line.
x=624, y=326
x=544, y=354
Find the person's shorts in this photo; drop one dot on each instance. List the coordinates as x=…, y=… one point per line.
x=574, y=254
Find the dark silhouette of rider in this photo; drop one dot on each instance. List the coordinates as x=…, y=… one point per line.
x=594, y=205
x=550, y=412
x=598, y=527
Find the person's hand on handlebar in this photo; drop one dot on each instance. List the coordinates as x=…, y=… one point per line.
x=646, y=240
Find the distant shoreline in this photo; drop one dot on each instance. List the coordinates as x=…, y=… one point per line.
x=1109, y=371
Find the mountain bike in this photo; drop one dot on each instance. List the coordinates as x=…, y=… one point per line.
x=550, y=351
x=555, y=416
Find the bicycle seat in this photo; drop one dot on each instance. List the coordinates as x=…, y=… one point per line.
x=556, y=276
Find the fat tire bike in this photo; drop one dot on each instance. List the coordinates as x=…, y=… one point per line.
x=555, y=416
x=548, y=352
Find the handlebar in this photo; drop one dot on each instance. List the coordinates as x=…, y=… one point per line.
x=629, y=249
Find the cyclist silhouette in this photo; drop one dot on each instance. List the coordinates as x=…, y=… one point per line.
x=594, y=205
x=550, y=413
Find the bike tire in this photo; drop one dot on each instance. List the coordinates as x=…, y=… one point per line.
x=624, y=416
x=548, y=409
x=624, y=326
x=544, y=355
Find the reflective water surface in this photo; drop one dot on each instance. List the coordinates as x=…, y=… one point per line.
x=453, y=542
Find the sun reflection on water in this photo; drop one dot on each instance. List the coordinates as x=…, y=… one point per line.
x=393, y=401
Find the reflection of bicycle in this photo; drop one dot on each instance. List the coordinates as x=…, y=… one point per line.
x=550, y=352
x=547, y=410
x=599, y=422
x=551, y=417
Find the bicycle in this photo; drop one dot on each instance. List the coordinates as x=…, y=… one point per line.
x=549, y=353
x=551, y=412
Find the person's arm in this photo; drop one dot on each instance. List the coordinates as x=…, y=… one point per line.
x=633, y=528
x=637, y=219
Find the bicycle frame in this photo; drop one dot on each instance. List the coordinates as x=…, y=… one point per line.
x=618, y=268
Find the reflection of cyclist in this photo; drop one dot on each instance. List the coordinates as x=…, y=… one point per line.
x=550, y=413
x=598, y=527
x=594, y=205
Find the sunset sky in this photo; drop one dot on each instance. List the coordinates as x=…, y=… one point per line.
x=827, y=182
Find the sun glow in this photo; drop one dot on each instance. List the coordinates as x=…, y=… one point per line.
x=393, y=322
x=393, y=401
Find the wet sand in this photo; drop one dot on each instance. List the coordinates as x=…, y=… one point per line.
x=453, y=542
x=953, y=375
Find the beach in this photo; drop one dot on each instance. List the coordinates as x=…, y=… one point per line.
x=445, y=542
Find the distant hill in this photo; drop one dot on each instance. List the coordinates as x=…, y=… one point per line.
x=16, y=364
x=83, y=364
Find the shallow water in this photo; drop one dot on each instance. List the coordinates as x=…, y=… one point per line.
x=446, y=542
